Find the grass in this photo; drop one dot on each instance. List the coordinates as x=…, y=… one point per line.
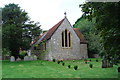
x=50, y=69
x=0, y=69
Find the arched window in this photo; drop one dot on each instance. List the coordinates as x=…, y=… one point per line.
x=66, y=38
x=66, y=45
x=62, y=39
x=69, y=36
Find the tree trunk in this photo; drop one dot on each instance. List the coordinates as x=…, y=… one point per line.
x=118, y=69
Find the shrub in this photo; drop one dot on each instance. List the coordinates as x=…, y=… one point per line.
x=91, y=65
x=86, y=62
x=85, y=59
x=58, y=62
x=96, y=60
x=53, y=60
x=90, y=60
x=75, y=67
x=6, y=52
x=22, y=54
x=63, y=64
x=73, y=60
x=61, y=60
x=69, y=66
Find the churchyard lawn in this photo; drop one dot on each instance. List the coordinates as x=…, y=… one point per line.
x=50, y=69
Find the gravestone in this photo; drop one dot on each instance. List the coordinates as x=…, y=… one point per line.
x=31, y=58
x=34, y=57
x=18, y=59
x=26, y=58
x=0, y=57
x=106, y=64
x=12, y=58
x=29, y=52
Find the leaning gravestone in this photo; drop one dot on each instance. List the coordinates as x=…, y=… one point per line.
x=18, y=59
x=34, y=57
x=12, y=58
x=26, y=58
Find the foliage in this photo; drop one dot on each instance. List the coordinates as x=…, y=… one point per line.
x=58, y=62
x=22, y=54
x=31, y=31
x=45, y=31
x=107, y=25
x=17, y=29
x=61, y=60
x=75, y=67
x=85, y=25
x=85, y=62
x=73, y=60
x=96, y=60
x=91, y=65
x=6, y=52
x=85, y=59
x=69, y=66
x=53, y=60
x=63, y=63
x=88, y=29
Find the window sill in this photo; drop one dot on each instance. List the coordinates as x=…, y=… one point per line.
x=66, y=47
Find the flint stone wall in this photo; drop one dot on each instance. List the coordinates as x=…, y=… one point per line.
x=55, y=49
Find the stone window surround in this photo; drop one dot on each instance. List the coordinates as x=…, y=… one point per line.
x=69, y=41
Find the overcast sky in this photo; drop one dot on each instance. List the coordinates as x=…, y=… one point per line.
x=49, y=12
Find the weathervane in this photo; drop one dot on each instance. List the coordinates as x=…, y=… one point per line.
x=65, y=14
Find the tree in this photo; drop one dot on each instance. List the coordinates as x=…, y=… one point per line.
x=107, y=24
x=88, y=29
x=31, y=31
x=15, y=22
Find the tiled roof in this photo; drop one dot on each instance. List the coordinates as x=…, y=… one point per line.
x=51, y=31
x=80, y=35
x=33, y=42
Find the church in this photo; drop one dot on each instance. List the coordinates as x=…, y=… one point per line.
x=62, y=41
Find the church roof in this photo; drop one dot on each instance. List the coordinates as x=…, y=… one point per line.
x=50, y=32
x=80, y=35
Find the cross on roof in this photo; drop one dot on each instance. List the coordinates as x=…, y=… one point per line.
x=65, y=13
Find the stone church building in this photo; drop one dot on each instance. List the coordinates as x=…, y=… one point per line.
x=62, y=41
